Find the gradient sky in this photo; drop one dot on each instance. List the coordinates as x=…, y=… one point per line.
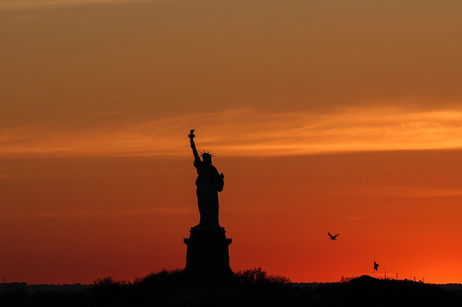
x=339, y=116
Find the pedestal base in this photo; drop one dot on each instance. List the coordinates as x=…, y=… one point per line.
x=207, y=257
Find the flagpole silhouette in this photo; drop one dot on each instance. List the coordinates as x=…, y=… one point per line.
x=376, y=267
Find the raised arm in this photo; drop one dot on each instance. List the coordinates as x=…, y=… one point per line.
x=193, y=145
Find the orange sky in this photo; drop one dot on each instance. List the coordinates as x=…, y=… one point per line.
x=340, y=117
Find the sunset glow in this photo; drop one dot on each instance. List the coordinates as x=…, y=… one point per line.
x=324, y=117
x=248, y=133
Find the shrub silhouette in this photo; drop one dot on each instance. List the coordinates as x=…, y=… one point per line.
x=155, y=286
x=160, y=282
x=257, y=281
x=258, y=276
x=253, y=286
x=109, y=290
x=385, y=292
x=369, y=291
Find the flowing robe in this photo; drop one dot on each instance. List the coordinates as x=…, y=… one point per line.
x=209, y=182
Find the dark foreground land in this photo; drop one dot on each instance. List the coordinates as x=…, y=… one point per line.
x=249, y=288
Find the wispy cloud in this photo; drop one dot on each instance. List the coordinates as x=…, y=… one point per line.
x=246, y=132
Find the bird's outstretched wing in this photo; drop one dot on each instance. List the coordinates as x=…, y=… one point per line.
x=332, y=237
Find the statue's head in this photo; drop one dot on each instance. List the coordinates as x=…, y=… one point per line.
x=207, y=157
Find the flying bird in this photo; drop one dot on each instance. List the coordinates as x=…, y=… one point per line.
x=332, y=237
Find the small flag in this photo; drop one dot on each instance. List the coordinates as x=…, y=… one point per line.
x=376, y=266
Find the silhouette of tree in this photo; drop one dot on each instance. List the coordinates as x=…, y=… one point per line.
x=255, y=287
x=258, y=275
x=155, y=285
x=273, y=288
x=369, y=291
x=108, y=290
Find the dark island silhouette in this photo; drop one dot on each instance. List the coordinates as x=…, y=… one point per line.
x=208, y=279
x=249, y=288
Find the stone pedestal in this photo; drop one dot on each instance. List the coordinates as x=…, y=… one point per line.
x=207, y=257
